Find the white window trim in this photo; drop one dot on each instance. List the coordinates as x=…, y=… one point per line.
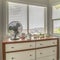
x=55, y=34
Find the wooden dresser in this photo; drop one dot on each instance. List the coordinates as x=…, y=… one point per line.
x=38, y=49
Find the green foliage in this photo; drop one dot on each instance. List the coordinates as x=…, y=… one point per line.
x=57, y=30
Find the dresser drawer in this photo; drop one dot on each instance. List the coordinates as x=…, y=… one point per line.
x=25, y=55
x=52, y=57
x=19, y=46
x=46, y=43
x=42, y=58
x=46, y=51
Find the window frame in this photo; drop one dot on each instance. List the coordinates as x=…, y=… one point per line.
x=54, y=19
x=53, y=26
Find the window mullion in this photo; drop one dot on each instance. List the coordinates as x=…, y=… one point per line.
x=45, y=20
x=27, y=19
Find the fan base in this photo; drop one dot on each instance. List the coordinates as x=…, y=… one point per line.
x=15, y=39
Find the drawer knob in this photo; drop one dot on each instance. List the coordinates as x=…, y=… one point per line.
x=41, y=44
x=30, y=55
x=12, y=58
x=40, y=53
x=12, y=47
x=30, y=45
x=53, y=50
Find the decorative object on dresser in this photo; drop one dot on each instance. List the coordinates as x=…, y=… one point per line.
x=15, y=28
x=28, y=36
x=22, y=36
x=41, y=49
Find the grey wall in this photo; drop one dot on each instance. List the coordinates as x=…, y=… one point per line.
x=1, y=29
x=37, y=2
x=54, y=2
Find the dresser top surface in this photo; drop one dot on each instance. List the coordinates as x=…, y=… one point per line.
x=31, y=40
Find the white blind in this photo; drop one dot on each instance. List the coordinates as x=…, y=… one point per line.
x=36, y=19
x=18, y=12
x=55, y=13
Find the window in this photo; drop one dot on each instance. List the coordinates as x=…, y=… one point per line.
x=56, y=25
x=56, y=19
x=30, y=16
x=36, y=19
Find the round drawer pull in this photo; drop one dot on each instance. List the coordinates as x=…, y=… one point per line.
x=12, y=47
x=30, y=55
x=40, y=53
x=12, y=58
x=41, y=44
x=30, y=45
x=53, y=42
x=53, y=50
